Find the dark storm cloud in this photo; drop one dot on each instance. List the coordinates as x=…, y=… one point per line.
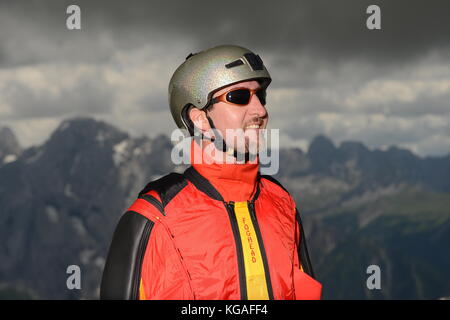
x=332, y=30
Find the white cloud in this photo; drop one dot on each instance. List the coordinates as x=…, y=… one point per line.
x=408, y=107
x=392, y=92
x=129, y=90
x=33, y=131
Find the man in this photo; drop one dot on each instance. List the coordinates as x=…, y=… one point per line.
x=220, y=230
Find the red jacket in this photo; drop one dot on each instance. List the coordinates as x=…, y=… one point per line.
x=231, y=234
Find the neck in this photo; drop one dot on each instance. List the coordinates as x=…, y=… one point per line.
x=234, y=181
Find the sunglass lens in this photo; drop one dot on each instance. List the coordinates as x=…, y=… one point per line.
x=240, y=96
x=261, y=94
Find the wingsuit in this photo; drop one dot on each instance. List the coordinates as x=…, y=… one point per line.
x=216, y=231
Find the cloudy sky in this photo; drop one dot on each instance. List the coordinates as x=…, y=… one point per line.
x=331, y=75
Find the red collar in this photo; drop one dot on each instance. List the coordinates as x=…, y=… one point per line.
x=235, y=182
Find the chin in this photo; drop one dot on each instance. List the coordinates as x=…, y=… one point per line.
x=255, y=146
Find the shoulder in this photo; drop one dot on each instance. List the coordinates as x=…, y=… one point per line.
x=165, y=188
x=273, y=183
x=121, y=270
x=276, y=190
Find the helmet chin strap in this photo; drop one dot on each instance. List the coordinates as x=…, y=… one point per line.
x=224, y=148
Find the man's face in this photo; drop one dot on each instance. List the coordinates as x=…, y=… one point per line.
x=245, y=120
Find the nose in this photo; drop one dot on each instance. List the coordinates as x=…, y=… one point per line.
x=256, y=108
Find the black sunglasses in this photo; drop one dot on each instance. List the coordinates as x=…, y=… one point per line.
x=241, y=96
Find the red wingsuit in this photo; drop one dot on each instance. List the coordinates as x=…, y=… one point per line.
x=219, y=231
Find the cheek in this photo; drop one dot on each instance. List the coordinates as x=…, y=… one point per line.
x=230, y=119
x=236, y=118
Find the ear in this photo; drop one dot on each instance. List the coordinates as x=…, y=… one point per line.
x=198, y=118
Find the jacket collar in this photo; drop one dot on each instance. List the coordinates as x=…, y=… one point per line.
x=223, y=181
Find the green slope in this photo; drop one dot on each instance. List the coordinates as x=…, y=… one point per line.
x=408, y=237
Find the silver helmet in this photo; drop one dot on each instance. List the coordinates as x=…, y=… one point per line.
x=203, y=73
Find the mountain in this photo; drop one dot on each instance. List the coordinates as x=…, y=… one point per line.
x=362, y=207
x=61, y=201
x=9, y=146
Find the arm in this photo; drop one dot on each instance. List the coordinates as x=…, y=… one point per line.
x=302, y=249
x=122, y=273
x=306, y=287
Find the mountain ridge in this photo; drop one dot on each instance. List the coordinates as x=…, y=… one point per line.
x=60, y=202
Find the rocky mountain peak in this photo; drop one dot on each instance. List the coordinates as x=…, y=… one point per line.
x=86, y=131
x=321, y=152
x=321, y=144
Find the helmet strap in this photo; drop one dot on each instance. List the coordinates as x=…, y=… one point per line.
x=223, y=146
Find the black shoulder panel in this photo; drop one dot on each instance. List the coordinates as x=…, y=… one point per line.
x=122, y=272
x=167, y=187
x=303, y=249
x=272, y=179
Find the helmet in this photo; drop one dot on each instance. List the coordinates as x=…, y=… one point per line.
x=205, y=72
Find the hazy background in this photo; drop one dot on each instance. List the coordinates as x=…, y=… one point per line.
x=331, y=75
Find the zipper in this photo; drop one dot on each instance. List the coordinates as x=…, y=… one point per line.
x=251, y=207
x=240, y=255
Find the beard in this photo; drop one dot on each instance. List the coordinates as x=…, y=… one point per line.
x=255, y=141
x=242, y=141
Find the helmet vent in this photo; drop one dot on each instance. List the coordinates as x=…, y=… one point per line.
x=255, y=61
x=234, y=64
